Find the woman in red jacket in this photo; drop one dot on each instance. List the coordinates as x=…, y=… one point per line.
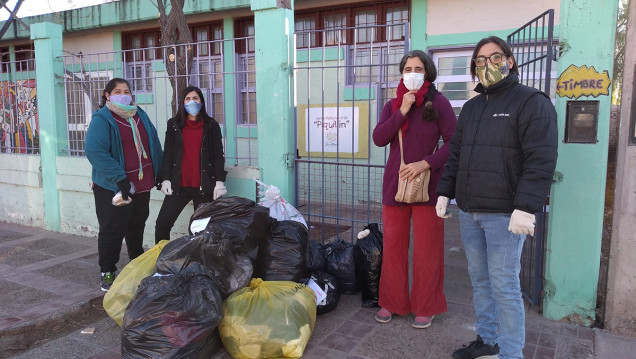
x=193, y=161
x=424, y=115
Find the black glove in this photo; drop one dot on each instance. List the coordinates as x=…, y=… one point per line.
x=124, y=187
x=158, y=181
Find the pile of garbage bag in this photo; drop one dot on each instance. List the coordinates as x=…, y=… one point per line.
x=244, y=279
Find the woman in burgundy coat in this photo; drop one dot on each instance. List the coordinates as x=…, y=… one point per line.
x=424, y=115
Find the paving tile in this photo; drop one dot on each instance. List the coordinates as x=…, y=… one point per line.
x=325, y=325
x=49, y=245
x=573, y=348
x=569, y=330
x=16, y=256
x=341, y=342
x=529, y=350
x=16, y=298
x=586, y=333
x=548, y=340
x=366, y=315
x=86, y=274
x=67, y=348
x=7, y=235
x=355, y=329
x=544, y=353
x=532, y=336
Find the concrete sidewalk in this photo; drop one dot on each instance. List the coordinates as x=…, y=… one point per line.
x=49, y=293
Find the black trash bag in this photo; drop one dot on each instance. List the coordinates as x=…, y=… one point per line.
x=173, y=317
x=209, y=253
x=317, y=261
x=368, y=255
x=328, y=284
x=244, y=222
x=341, y=264
x=283, y=257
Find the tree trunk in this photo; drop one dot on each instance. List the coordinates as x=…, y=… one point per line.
x=177, y=41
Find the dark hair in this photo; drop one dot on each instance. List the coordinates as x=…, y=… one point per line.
x=429, y=113
x=182, y=116
x=429, y=65
x=110, y=86
x=499, y=42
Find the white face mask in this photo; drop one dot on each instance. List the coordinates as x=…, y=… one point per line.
x=413, y=80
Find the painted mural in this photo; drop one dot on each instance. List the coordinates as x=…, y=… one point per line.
x=19, y=127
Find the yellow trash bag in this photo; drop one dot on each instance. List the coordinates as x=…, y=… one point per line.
x=268, y=319
x=125, y=286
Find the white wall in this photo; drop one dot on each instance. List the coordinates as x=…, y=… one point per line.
x=21, y=195
x=89, y=43
x=460, y=16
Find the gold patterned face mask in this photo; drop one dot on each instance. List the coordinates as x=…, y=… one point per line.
x=490, y=73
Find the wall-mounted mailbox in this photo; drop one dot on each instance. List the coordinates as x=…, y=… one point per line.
x=581, y=123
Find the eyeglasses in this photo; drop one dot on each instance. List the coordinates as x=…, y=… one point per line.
x=494, y=59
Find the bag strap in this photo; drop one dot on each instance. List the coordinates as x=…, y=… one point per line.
x=401, y=151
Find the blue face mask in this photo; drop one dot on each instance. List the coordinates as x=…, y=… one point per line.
x=121, y=99
x=193, y=108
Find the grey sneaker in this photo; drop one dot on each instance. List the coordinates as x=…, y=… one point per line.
x=477, y=349
x=107, y=280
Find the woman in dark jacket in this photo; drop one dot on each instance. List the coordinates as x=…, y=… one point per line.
x=193, y=161
x=423, y=115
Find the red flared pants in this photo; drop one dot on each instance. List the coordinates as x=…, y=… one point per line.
x=427, y=294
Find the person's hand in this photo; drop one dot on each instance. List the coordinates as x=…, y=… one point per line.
x=219, y=190
x=411, y=170
x=166, y=188
x=440, y=207
x=124, y=187
x=521, y=222
x=407, y=101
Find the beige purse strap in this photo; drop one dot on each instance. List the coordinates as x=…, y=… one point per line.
x=401, y=151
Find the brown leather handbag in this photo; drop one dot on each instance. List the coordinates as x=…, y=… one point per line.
x=415, y=190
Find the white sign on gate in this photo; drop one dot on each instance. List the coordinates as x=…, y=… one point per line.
x=333, y=130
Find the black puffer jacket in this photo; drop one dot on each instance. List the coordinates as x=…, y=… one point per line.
x=212, y=159
x=504, y=150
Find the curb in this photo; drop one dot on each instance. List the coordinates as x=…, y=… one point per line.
x=38, y=331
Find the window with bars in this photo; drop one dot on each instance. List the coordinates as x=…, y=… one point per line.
x=5, y=59
x=348, y=24
x=139, y=74
x=207, y=74
x=209, y=38
x=24, y=57
x=246, y=71
x=142, y=45
x=453, y=76
x=83, y=96
x=305, y=24
x=247, y=89
x=244, y=30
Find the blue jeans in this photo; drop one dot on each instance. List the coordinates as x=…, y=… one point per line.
x=494, y=262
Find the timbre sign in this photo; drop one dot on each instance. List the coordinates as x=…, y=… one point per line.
x=575, y=82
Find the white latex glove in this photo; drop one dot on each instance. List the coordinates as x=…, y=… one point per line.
x=166, y=188
x=440, y=207
x=521, y=222
x=219, y=190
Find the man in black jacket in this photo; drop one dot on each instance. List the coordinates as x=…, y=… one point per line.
x=502, y=159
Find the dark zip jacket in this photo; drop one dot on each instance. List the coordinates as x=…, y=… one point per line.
x=504, y=150
x=212, y=160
